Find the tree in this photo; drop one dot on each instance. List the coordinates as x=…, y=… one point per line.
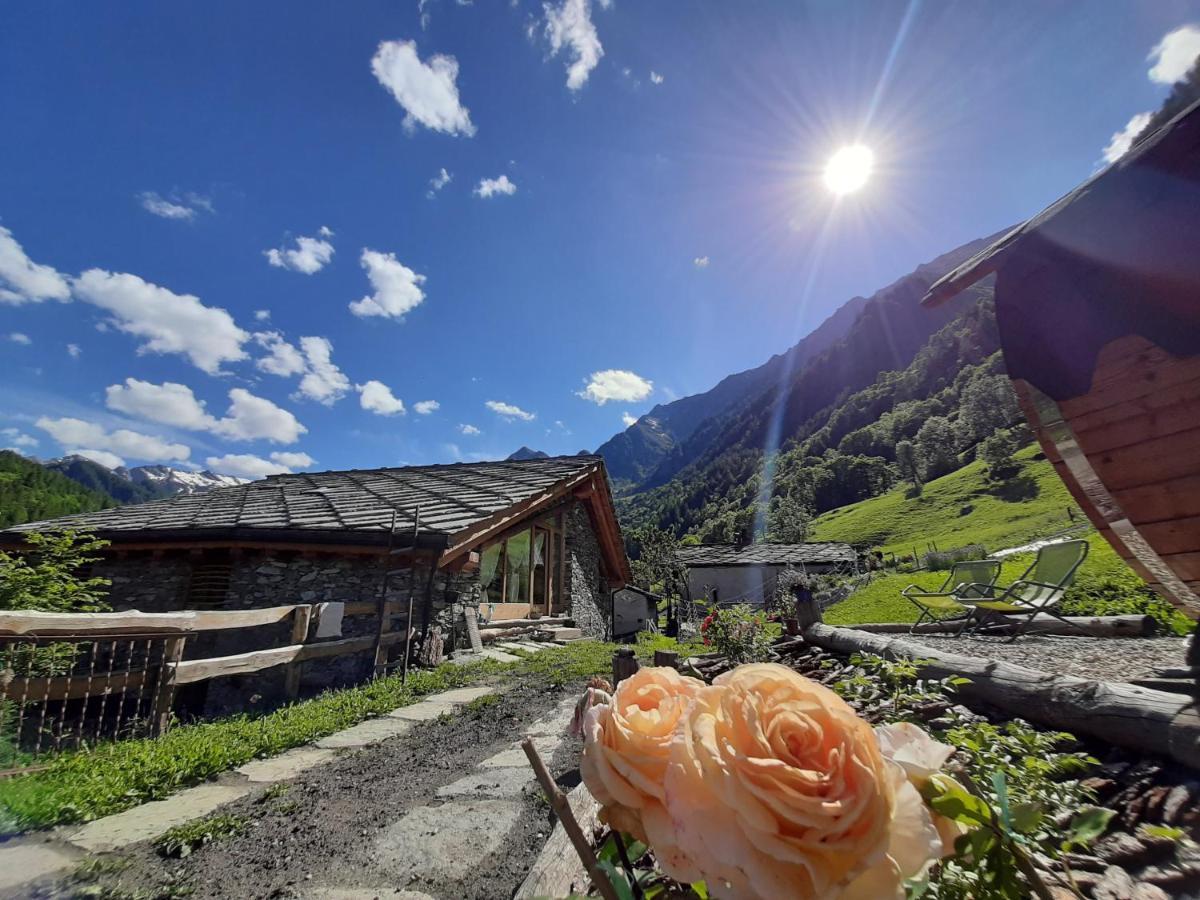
x=47, y=576
x=988, y=402
x=909, y=462
x=787, y=521
x=997, y=452
x=937, y=444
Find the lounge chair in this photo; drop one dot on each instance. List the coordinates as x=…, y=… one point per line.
x=1038, y=590
x=973, y=578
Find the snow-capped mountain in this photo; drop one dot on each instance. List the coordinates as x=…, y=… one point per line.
x=169, y=480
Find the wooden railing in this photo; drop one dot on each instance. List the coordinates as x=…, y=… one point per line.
x=72, y=679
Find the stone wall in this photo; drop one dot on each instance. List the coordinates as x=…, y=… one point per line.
x=145, y=584
x=588, y=597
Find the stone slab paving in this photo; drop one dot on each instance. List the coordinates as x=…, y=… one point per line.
x=446, y=842
x=557, y=722
x=383, y=893
x=286, y=765
x=24, y=862
x=505, y=782
x=499, y=655
x=544, y=744
x=152, y=819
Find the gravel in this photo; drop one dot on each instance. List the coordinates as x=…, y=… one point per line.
x=1106, y=659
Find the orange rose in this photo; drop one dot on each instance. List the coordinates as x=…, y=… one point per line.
x=626, y=745
x=776, y=788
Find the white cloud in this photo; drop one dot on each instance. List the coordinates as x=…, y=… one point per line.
x=323, y=381
x=509, y=412
x=171, y=323
x=437, y=182
x=1173, y=56
x=73, y=351
x=427, y=91
x=454, y=451
x=489, y=187
x=245, y=465
x=425, y=407
x=656, y=78
x=379, y=399
x=616, y=384
x=262, y=315
x=628, y=419
x=24, y=281
x=700, y=262
x=18, y=337
x=76, y=434
x=293, y=460
x=310, y=255
x=469, y=430
x=569, y=25
x=106, y=459
x=19, y=438
x=248, y=417
x=282, y=358
x=154, y=203
x=397, y=287
x=1120, y=143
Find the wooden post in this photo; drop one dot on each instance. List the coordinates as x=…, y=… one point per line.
x=668, y=658
x=791, y=626
x=164, y=693
x=807, y=611
x=300, y=621
x=624, y=664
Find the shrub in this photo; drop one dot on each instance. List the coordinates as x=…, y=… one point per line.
x=737, y=633
x=941, y=560
x=997, y=452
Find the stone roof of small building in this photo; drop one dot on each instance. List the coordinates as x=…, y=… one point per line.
x=828, y=553
x=355, y=505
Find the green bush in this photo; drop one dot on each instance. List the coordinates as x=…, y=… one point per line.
x=737, y=633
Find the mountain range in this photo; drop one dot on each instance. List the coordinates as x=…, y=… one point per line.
x=141, y=483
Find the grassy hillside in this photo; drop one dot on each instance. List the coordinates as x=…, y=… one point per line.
x=961, y=508
x=1032, y=504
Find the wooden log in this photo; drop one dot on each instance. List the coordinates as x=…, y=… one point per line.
x=624, y=665
x=50, y=623
x=558, y=871
x=807, y=610
x=488, y=637
x=164, y=691
x=668, y=658
x=1141, y=719
x=1087, y=626
x=523, y=623
x=70, y=687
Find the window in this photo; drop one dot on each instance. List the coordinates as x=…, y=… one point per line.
x=519, y=568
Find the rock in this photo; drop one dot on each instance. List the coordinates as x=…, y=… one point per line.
x=1126, y=850
x=1176, y=880
x=1100, y=785
x=1082, y=862
x=1115, y=884
x=1178, y=798
x=1154, y=801
x=1143, y=891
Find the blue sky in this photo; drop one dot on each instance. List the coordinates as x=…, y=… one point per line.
x=634, y=207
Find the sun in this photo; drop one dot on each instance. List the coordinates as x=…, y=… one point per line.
x=849, y=169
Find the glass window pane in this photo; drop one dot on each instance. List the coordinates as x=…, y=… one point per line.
x=489, y=573
x=539, y=568
x=517, y=562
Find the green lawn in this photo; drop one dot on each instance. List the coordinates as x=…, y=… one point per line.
x=961, y=508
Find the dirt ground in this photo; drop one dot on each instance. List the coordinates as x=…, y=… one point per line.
x=318, y=838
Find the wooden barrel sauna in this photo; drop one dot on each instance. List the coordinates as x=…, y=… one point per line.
x=1098, y=308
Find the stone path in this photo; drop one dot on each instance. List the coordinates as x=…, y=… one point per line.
x=36, y=856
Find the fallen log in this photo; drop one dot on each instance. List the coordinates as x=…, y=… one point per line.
x=524, y=623
x=496, y=634
x=1141, y=719
x=1086, y=626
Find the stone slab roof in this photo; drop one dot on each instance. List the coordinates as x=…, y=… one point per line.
x=351, y=506
x=767, y=554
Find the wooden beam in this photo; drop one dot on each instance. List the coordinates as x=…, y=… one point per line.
x=299, y=636
x=1093, y=626
x=50, y=623
x=193, y=670
x=1141, y=719
x=69, y=687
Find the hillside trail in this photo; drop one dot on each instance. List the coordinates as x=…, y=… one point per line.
x=449, y=810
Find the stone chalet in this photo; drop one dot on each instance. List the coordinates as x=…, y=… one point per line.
x=727, y=573
x=511, y=539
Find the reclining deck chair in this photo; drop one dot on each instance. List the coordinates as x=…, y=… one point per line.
x=1038, y=590
x=973, y=578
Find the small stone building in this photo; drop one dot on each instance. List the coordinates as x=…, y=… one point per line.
x=510, y=539
x=727, y=574
x=633, y=610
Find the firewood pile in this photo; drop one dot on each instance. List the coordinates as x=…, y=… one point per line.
x=1150, y=849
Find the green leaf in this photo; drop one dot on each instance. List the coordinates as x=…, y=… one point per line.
x=617, y=878
x=700, y=889
x=1000, y=785
x=1164, y=831
x=1027, y=817
x=635, y=849
x=1088, y=824
x=957, y=804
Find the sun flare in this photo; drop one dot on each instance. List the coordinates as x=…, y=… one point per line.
x=849, y=169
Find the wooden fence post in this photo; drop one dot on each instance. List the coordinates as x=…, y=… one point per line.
x=300, y=621
x=668, y=658
x=624, y=665
x=164, y=692
x=808, y=612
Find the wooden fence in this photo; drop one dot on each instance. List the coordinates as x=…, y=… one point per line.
x=69, y=680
